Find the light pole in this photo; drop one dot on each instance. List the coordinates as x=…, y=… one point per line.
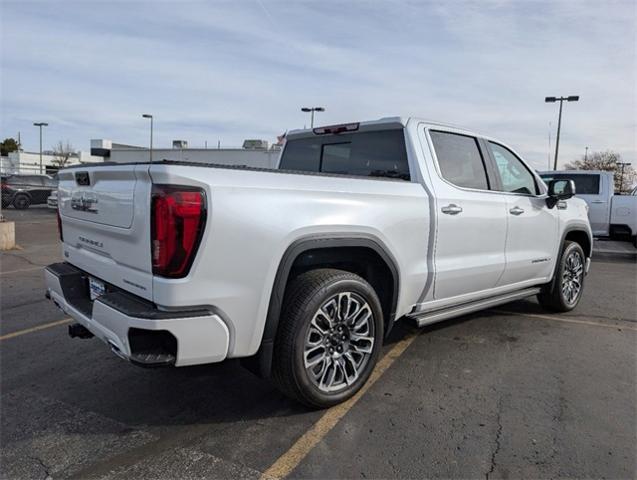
x=40, y=124
x=585, y=154
x=621, y=177
x=312, y=110
x=150, y=152
x=549, y=155
x=570, y=98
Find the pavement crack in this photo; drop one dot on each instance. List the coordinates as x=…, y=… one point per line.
x=20, y=257
x=45, y=467
x=498, y=433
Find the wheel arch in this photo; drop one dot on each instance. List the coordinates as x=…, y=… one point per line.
x=580, y=236
x=22, y=192
x=362, y=254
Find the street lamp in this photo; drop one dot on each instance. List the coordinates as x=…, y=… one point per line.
x=40, y=124
x=621, y=177
x=150, y=152
x=312, y=110
x=570, y=98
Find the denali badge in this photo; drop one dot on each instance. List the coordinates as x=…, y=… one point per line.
x=88, y=241
x=84, y=201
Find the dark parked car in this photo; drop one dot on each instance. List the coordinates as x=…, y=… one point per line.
x=21, y=191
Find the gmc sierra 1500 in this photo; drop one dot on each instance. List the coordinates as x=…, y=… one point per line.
x=303, y=270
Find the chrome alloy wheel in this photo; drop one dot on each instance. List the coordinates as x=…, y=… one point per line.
x=339, y=342
x=572, y=277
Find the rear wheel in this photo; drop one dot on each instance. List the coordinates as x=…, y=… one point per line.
x=564, y=293
x=329, y=337
x=21, y=201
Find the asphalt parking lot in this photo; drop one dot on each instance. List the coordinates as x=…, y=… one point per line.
x=507, y=393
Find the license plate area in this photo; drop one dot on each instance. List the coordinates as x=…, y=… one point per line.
x=96, y=288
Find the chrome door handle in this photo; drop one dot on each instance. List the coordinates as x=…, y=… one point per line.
x=451, y=209
x=516, y=211
x=598, y=201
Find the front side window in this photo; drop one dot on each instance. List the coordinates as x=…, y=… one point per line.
x=584, y=184
x=460, y=160
x=379, y=153
x=515, y=177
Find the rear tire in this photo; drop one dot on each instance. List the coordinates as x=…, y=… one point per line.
x=329, y=337
x=21, y=201
x=564, y=292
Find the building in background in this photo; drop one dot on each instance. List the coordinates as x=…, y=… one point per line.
x=21, y=162
x=254, y=153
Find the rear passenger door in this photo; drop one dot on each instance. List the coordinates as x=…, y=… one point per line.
x=469, y=253
x=532, y=226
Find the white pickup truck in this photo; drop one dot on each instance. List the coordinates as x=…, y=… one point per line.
x=303, y=270
x=609, y=214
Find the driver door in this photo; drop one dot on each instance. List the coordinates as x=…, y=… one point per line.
x=532, y=226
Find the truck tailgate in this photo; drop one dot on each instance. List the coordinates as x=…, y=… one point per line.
x=104, y=212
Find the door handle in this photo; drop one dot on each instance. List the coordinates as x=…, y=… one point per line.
x=598, y=201
x=516, y=211
x=451, y=209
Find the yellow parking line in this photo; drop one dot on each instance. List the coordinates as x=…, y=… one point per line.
x=568, y=320
x=34, y=329
x=287, y=462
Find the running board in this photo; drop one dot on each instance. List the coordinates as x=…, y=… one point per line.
x=428, y=317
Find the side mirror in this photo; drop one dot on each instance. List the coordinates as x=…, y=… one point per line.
x=560, y=190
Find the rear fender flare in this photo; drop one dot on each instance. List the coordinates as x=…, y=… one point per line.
x=261, y=362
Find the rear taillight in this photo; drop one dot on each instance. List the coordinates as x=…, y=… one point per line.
x=178, y=217
x=60, y=224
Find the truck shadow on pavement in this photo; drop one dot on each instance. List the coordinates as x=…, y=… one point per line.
x=210, y=394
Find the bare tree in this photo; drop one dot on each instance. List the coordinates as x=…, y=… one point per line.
x=63, y=152
x=608, y=161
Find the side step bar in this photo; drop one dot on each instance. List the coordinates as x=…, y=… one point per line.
x=428, y=317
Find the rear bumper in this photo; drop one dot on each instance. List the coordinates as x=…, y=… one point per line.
x=136, y=329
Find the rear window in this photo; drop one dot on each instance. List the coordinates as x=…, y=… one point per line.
x=367, y=154
x=584, y=184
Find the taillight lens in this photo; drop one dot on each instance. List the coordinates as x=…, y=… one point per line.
x=60, y=224
x=178, y=218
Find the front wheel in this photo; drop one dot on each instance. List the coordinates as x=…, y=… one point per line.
x=329, y=337
x=564, y=292
x=21, y=201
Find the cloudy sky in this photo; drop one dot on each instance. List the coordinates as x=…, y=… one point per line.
x=217, y=70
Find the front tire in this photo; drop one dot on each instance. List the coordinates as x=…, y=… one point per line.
x=21, y=201
x=329, y=337
x=565, y=291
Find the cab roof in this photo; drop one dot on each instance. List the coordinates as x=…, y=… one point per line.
x=383, y=123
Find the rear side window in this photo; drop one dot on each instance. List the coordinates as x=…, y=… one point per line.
x=367, y=154
x=584, y=184
x=460, y=160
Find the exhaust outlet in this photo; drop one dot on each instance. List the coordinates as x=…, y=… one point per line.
x=79, y=331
